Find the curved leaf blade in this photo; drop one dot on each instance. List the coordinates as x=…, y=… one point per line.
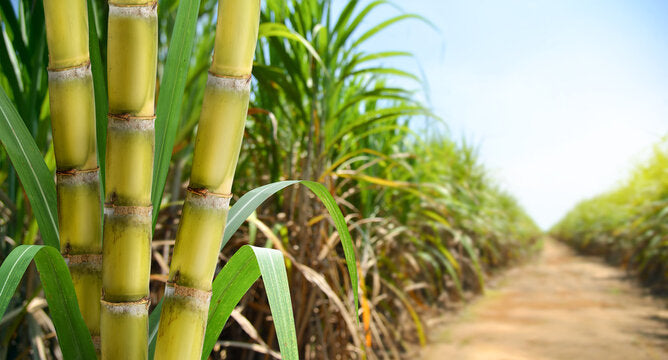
x=346, y=241
x=234, y=280
x=171, y=92
x=153, y=322
x=33, y=173
x=73, y=336
x=243, y=208
x=99, y=90
x=268, y=30
x=241, y=274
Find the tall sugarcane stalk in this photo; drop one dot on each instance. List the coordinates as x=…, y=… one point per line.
x=221, y=127
x=131, y=72
x=72, y=103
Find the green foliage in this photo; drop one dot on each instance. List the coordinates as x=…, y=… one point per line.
x=72, y=333
x=234, y=280
x=628, y=225
x=98, y=69
x=23, y=77
x=242, y=270
x=425, y=220
x=36, y=178
x=247, y=204
x=171, y=87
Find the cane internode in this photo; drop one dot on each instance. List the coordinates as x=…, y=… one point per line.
x=219, y=135
x=72, y=108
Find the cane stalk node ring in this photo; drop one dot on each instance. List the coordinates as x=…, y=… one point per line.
x=135, y=211
x=202, y=197
x=225, y=82
x=83, y=259
x=76, y=71
x=135, y=308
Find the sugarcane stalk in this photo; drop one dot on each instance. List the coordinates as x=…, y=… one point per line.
x=131, y=72
x=72, y=105
x=219, y=135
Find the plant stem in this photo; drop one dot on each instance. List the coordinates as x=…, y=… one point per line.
x=219, y=136
x=131, y=71
x=72, y=105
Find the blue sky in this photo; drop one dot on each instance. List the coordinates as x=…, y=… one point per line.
x=562, y=98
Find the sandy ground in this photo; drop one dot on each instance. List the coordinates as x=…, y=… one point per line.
x=560, y=306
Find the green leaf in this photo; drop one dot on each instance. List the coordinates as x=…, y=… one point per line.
x=385, y=71
x=279, y=30
x=153, y=322
x=73, y=336
x=468, y=246
x=230, y=285
x=383, y=55
x=100, y=90
x=411, y=311
x=33, y=173
x=234, y=280
x=9, y=67
x=345, y=30
x=340, y=223
x=243, y=208
x=171, y=94
x=10, y=21
x=451, y=265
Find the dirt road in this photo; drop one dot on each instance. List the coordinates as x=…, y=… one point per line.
x=560, y=306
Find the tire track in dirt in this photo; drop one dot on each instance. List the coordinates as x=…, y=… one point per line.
x=559, y=306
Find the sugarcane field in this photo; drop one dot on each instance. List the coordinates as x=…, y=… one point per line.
x=333, y=179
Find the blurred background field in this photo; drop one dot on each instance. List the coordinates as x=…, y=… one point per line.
x=629, y=224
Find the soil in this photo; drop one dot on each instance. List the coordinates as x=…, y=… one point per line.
x=559, y=306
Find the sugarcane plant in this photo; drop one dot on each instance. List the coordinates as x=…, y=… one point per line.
x=72, y=105
x=627, y=225
x=82, y=302
x=132, y=43
x=220, y=131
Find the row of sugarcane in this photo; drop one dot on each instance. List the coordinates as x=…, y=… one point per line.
x=628, y=225
x=111, y=277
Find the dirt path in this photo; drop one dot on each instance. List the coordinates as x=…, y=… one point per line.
x=561, y=306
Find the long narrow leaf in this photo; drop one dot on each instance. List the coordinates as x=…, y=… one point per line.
x=279, y=30
x=243, y=208
x=153, y=322
x=73, y=336
x=230, y=285
x=234, y=280
x=171, y=93
x=340, y=223
x=100, y=90
x=33, y=173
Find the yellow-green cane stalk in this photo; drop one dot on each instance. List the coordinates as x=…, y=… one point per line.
x=72, y=105
x=219, y=135
x=131, y=71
